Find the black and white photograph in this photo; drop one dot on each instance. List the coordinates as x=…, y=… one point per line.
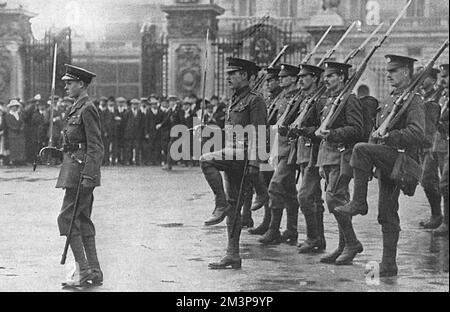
x=236, y=149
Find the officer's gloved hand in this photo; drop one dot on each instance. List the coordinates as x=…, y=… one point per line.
x=283, y=131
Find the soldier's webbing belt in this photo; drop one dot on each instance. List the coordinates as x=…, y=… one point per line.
x=73, y=147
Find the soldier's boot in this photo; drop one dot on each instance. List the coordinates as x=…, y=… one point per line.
x=388, y=265
x=321, y=231
x=91, y=255
x=313, y=239
x=232, y=260
x=358, y=205
x=221, y=208
x=262, y=195
x=264, y=226
x=272, y=236
x=434, y=198
x=247, y=220
x=442, y=230
x=331, y=258
x=290, y=235
x=85, y=276
x=352, y=245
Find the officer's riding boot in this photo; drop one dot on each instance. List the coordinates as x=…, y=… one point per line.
x=272, y=236
x=221, y=208
x=91, y=255
x=247, y=220
x=442, y=230
x=331, y=258
x=358, y=205
x=312, y=235
x=262, y=195
x=388, y=265
x=434, y=198
x=232, y=260
x=264, y=226
x=321, y=231
x=85, y=274
x=352, y=245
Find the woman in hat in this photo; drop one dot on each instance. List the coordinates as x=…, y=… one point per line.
x=15, y=129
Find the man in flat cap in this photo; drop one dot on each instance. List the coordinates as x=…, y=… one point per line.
x=133, y=131
x=406, y=136
x=432, y=161
x=310, y=193
x=282, y=187
x=441, y=144
x=333, y=159
x=246, y=109
x=272, y=91
x=83, y=155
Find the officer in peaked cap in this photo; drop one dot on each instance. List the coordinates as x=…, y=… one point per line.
x=246, y=108
x=399, y=61
x=83, y=154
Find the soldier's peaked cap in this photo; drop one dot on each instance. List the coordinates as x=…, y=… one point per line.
x=433, y=72
x=306, y=69
x=78, y=74
x=235, y=63
x=444, y=68
x=288, y=70
x=397, y=61
x=336, y=67
x=272, y=72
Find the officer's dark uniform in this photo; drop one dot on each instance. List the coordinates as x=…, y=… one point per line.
x=83, y=154
x=408, y=134
x=265, y=175
x=432, y=161
x=310, y=193
x=443, y=136
x=282, y=187
x=246, y=108
x=334, y=157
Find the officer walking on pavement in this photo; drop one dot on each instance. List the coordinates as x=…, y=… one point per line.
x=83, y=155
x=246, y=108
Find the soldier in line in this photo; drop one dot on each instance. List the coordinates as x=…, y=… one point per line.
x=334, y=156
x=432, y=161
x=273, y=89
x=310, y=193
x=83, y=155
x=442, y=138
x=246, y=108
x=408, y=135
x=282, y=188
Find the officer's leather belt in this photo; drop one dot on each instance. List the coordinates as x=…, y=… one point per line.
x=73, y=147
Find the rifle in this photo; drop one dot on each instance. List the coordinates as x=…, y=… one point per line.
x=340, y=101
x=262, y=79
x=54, y=152
x=404, y=101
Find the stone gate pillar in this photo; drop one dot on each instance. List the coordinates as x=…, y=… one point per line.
x=15, y=30
x=187, y=23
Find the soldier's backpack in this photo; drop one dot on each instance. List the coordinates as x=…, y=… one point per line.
x=369, y=106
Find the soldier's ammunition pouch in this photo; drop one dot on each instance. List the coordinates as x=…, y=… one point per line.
x=73, y=147
x=406, y=173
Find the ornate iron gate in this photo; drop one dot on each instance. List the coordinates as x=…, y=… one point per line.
x=258, y=40
x=38, y=56
x=154, y=70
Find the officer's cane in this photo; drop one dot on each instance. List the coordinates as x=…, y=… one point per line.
x=75, y=208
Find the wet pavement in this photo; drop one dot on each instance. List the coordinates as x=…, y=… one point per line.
x=151, y=237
